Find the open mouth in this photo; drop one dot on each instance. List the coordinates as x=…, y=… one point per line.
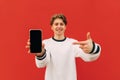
x=59, y=29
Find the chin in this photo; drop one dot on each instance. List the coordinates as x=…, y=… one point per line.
x=59, y=34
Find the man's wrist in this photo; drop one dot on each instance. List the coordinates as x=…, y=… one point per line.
x=95, y=49
x=41, y=57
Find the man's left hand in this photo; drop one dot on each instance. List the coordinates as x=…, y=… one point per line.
x=86, y=45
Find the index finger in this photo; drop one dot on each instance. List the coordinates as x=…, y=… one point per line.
x=80, y=43
x=76, y=43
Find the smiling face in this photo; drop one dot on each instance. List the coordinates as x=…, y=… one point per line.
x=58, y=27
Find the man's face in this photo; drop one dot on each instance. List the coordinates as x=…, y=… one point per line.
x=58, y=27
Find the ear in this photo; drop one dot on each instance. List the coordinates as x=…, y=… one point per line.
x=65, y=27
x=51, y=28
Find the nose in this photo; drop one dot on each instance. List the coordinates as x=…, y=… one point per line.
x=58, y=25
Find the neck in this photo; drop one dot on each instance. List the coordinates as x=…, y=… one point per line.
x=59, y=37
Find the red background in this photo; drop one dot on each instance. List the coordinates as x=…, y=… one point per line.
x=100, y=17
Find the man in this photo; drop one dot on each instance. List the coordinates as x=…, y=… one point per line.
x=59, y=52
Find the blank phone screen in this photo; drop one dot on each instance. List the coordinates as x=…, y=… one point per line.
x=35, y=41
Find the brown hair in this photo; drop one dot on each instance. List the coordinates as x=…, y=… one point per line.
x=60, y=16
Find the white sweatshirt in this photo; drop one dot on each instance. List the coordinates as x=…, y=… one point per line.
x=59, y=58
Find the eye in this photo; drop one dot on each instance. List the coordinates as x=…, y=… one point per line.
x=61, y=24
x=56, y=24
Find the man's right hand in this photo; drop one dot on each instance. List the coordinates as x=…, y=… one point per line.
x=36, y=54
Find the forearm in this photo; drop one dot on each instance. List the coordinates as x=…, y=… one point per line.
x=41, y=61
x=88, y=57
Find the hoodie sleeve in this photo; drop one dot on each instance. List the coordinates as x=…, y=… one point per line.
x=42, y=61
x=88, y=57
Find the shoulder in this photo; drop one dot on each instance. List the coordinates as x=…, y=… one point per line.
x=71, y=40
x=47, y=40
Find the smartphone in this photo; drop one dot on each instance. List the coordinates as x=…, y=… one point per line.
x=35, y=40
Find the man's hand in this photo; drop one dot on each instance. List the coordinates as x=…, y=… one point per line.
x=86, y=45
x=36, y=54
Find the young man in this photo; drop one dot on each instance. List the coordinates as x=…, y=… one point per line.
x=59, y=52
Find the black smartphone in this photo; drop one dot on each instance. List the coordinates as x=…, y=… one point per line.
x=35, y=40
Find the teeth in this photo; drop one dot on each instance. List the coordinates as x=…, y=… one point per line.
x=59, y=29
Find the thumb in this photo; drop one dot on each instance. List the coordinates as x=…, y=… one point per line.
x=43, y=45
x=88, y=35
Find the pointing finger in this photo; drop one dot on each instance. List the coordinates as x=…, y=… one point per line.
x=83, y=42
x=76, y=43
x=80, y=43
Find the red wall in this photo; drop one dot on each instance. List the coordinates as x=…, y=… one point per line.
x=100, y=17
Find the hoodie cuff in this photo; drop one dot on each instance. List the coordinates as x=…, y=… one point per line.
x=96, y=49
x=41, y=57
